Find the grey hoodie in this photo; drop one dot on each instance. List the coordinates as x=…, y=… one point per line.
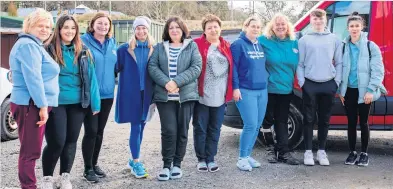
x=320, y=58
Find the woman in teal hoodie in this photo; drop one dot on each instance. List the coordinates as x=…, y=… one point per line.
x=98, y=38
x=282, y=57
x=78, y=93
x=249, y=88
x=363, y=73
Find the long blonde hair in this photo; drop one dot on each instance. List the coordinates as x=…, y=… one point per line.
x=269, y=27
x=150, y=41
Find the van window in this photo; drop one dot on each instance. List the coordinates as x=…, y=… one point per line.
x=338, y=13
x=343, y=9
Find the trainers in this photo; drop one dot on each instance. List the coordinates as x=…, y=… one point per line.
x=176, y=172
x=202, y=166
x=131, y=163
x=65, y=182
x=363, y=159
x=213, y=167
x=99, y=172
x=243, y=164
x=163, y=175
x=90, y=176
x=351, y=159
x=254, y=163
x=288, y=159
x=322, y=158
x=47, y=182
x=308, y=158
x=272, y=156
x=139, y=171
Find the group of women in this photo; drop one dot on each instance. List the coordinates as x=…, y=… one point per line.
x=64, y=80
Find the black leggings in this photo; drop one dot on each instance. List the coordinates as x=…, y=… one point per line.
x=353, y=110
x=61, y=134
x=94, y=133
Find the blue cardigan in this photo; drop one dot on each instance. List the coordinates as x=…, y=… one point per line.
x=129, y=108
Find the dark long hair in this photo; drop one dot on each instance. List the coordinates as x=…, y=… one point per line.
x=183, y=27
x=57, y=54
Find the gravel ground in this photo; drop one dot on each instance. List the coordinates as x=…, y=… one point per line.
x=115, y=153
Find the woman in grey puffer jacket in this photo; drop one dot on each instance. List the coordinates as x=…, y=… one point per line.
x=175, y=66
x=363, y=73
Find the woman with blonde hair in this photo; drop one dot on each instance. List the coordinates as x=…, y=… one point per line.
x=281, y=51
x=249, y=88
x=98, y=38
x=35, y=91
x=134, y=92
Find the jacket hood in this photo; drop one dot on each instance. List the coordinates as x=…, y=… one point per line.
x=244, y=37
x=325, y=32
x=363, y=37
x=30, y=36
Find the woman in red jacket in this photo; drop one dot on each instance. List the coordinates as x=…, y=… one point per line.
x=215, y=89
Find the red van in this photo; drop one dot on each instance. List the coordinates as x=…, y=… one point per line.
x=379, y=25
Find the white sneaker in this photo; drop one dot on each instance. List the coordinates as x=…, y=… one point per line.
x=243, y=164
x=47, y=182
x=254, y=163
x=322, y=158
x=308, y=158
x=65, y=182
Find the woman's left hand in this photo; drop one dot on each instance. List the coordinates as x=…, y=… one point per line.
x=368, y=98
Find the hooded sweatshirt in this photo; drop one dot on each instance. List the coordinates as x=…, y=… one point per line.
x=249, y=64
x=70, y=81
x=282, y=57
x=320, y=58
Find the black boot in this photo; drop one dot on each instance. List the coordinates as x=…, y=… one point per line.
x=288, y=159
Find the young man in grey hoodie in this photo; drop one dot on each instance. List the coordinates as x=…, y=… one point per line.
x=319, y=74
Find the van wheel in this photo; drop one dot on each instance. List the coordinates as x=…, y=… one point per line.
x=9, y=128
x=267, y=136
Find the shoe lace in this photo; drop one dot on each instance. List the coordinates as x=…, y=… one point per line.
x=138, y=167
x=323, y=155
x=65, y=178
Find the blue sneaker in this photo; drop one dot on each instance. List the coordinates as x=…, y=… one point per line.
x=131, y=164
x=138, y=170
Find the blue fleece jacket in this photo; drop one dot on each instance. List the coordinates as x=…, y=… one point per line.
x=282, y=57
x=249, y=64
x=71, y=84
x=104, y=58
x=35, y=74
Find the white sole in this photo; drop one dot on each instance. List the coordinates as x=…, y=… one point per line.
x=136, y=176
x=214, y=170
x=346, y=163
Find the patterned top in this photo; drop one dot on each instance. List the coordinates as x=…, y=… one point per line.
x=216, y=78
x=172, y=64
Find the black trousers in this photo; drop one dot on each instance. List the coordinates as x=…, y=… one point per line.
x=277, y=113
x=61, y=134
x=353, y=110
x=318, y=97
x=175, y=119
x=94, y=133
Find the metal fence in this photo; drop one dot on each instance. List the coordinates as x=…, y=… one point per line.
x=122, y=30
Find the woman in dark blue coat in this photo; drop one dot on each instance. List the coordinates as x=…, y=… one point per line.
x=134, y=92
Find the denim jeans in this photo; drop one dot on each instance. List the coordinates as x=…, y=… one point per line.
x=252, y=108
x=207, y=123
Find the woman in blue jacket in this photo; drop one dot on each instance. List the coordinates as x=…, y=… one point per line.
x=282, y=57
x=249, y=88
x=134, y=92
x=102, y=45
x=78, y=93
x=363, y=73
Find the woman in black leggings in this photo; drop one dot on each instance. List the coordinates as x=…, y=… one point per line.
x=79, y=95
x=363, y=73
